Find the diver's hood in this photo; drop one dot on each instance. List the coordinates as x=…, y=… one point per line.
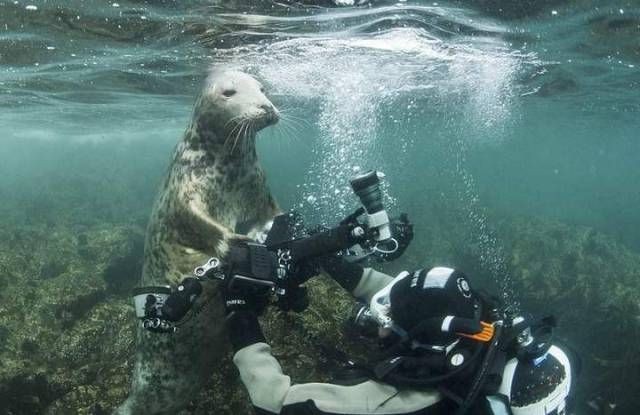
x=433, y=307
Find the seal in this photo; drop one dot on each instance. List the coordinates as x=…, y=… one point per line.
x=215, y=191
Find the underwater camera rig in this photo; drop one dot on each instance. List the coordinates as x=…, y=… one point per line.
x=280, y=264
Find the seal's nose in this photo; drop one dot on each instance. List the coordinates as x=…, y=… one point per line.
x=271, y=111
x=267, y=108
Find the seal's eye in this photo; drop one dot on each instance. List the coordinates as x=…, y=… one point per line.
x=229, y=92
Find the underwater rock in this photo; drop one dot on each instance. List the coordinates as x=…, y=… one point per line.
x=68, y=313
x=591, y=283
x=69, y=331
x=3, y=283
x=66, y=343
x=4, y=336
x=53, y=269
x=97, y=351
x=83, y=246
x=123, y=269
x=555, y=261
x=26, y=394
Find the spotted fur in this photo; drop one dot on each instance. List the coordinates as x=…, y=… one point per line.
x=215, y=188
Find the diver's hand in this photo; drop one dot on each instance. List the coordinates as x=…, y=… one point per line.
x=296, y=299
x=254, y=299
x=305, y=270
x=242, y=309
x=234, y=301
x=401, y=231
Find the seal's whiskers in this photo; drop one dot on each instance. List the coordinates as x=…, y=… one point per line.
x=298, y=120
x=235, y=128
x=241, y=132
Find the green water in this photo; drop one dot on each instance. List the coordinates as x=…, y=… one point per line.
x=481, y=117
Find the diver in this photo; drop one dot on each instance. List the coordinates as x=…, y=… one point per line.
x=445, y=348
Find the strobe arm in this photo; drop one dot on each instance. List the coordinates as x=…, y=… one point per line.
x=326, y=242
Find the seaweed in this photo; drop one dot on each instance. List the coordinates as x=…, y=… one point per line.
x=121, y=272
x=66, y=342
x=4, y=337
x=27, y=394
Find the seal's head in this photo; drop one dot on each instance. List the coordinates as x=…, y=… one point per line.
x=234, y=102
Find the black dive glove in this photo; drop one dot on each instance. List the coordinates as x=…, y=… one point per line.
x=242, y=308
x=296, y=299
x=402, y=231
x=245, y=297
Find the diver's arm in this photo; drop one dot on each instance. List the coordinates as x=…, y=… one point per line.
x=272, y=392
x=363, y=283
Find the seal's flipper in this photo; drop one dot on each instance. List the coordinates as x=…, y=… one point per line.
x=245, y=227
